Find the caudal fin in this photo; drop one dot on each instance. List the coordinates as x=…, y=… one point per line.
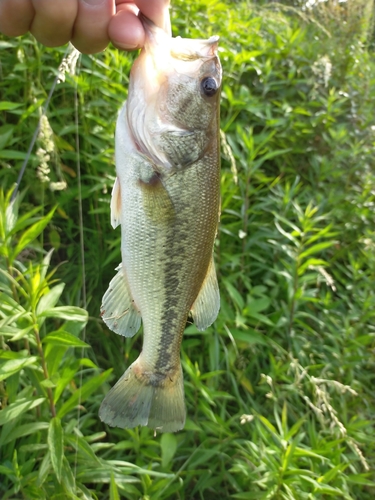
x=146, y=398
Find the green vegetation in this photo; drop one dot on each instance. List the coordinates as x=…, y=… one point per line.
x=280, y=390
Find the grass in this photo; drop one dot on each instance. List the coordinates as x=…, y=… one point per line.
x=279, y=389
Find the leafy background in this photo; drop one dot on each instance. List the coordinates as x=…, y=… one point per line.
x=279, y=390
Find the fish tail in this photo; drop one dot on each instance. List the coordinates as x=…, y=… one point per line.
x=142, y=397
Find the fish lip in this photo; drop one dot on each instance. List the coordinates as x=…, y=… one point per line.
x=200, y=48
x=150, y=25
x=146, y=22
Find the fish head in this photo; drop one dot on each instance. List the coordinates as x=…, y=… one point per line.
x=174, y=95
x=190, y=93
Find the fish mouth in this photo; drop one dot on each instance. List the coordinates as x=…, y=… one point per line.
x=197, y=49
x=182, y=49
x=150, y=25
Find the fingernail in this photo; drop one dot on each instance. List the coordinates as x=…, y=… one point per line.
x=124, y=46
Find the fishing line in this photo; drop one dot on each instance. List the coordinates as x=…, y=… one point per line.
x=57, y=79
x=82, y=250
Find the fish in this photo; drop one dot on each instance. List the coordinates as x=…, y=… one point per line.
x=166, y=197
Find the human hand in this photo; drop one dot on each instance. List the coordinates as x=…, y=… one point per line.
x=89, y=24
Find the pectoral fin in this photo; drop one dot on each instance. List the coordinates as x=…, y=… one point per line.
x=118, y=310
x=116, y=204
x=207, y=304
x=157, y=203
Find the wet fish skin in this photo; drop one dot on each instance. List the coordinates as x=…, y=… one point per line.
x=166, y=198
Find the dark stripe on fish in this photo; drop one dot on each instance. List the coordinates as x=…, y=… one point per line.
x=171, y=331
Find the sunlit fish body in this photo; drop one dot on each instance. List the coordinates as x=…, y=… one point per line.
x=166, y=198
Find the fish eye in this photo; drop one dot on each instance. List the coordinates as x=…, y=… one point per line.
x=209, y=86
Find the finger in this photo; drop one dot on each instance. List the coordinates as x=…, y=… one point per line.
x=16, y=17
x=125, y=30
x=91, y=26
x=53, y=21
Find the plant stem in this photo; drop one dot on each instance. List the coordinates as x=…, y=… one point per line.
x=295, y=289
x=45, y=371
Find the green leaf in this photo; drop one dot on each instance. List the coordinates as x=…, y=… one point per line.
x=55, y=446
x=7, y=471
x=11, y=154
x=45, y=265
x=6, y=105
x=361, y=479
x=113, y=491
x=12, y=366
x=302, y=452
x=62, y=338
x=329, y=490
x=44, y=469
x=81, y=394
x=272, y=154
x=249, y=336
x=332, y=473
x=68, y=479
x=71, y=313
x=234, y=294
x=268, y=424
x=258, y=305
x=261, y=318
x=16, y=409
x=6, y=45
x=312, y=262
x=66, y=375
x=24, y=430
x=50, y=299
x=294, y=429
x=168, y=444
x=10, y=306
x=83, y=448
x=25, y=220
x=316, y=248
x=47, y=383
x=54, y=354
x=32, y=233
x=6, y=132
x=18, y=333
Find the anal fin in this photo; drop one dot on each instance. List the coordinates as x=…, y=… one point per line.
x=207, y=304
x=118, y=310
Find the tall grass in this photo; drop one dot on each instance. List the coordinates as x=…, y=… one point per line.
x=279, y=389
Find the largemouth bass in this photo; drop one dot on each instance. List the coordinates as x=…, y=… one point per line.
x=166, y=198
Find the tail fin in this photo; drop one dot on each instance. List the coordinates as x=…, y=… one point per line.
x=146, y=398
